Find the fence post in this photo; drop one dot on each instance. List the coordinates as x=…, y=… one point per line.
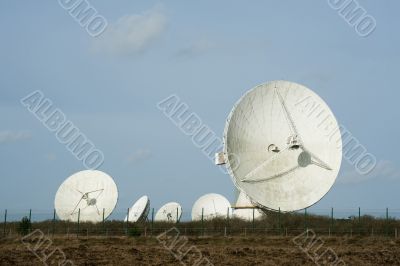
x=104, y=224
x=152, y=220
x=305, y=220
x=253, y=220
x=359, y=220
x=177, y=215
x=5, y=223
x=202, y=220
x=30, y=218
x=54, y=222
x=67, y=228
x=127, y=222
x=279, y=219
x=79, y=217
x=331, y=228
x=387, y=221
x=227, y=219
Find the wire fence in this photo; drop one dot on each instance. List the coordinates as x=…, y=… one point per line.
x=326, y=222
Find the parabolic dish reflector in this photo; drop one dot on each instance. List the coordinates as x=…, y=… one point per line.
x=282, y=146
x=170, y=212
x=139, y=210
x=246, y=213
x=86, y=193
x=210, y=206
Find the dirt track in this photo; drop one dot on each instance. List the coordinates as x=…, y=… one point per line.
x=219, y=251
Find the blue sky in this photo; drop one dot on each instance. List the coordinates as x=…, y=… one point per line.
x=208, y=53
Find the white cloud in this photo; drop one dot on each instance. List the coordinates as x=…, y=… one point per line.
x=196, y=48
x=7, y=136
x=383, y=170
x=140, y=155
x=132, y=34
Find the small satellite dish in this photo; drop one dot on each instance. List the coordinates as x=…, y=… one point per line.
x=170, y=212
x=244, y=209
x=278, y=147
x=139, y=210
x=210, y=206
x=86, y=194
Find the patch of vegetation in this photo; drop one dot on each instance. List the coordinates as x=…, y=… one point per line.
x=24, y=226
x=134, y=231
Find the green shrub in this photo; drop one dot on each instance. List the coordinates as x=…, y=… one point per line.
x=134, y=231
x=24, y=226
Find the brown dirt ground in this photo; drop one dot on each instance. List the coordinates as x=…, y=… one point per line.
x=218, y=250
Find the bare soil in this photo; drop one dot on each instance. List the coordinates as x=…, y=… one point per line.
x=217, y=250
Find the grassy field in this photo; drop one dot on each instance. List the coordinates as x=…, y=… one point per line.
x=273, y=224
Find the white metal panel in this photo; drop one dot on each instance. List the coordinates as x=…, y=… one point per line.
x=280, y=153
x=170, y=212
x=210, y=206
x=139, y=211
x=87, y=192
x=246, y=214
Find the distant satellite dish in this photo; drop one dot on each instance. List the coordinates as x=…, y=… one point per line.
x=170, y=212
x=210, y=206
x=87, y=194
x=139, y=210
x=244, y=209
x=277, y=146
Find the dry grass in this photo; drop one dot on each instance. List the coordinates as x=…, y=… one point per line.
x=219, y=250
x=273, y=224
x=265, y=242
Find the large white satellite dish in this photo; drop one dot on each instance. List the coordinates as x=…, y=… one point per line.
x=87, y=194
x=170, y=212
x=139, y=210
x=210, y=206
x=244, y=209
x=278, y=148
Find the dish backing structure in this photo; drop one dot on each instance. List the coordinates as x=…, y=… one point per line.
x=89, y=195
x=245, y=210
x=278, y=146
x=210, y=206
x=139, y=211
x=170, y=212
